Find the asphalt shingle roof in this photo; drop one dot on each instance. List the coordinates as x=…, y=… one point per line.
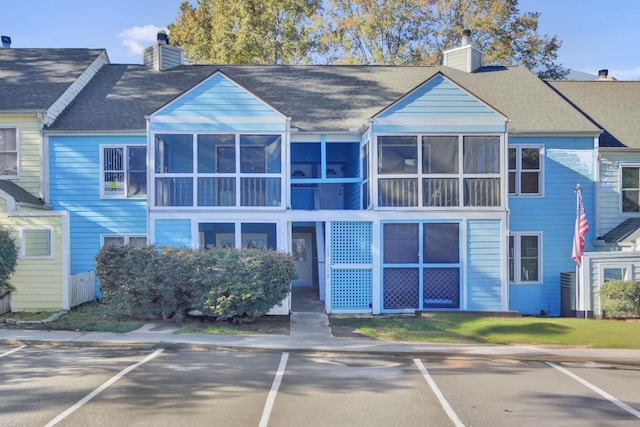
x=19, y=194
x=627, y=231
x=316, y=97
x=611, y=105
x=33, y=79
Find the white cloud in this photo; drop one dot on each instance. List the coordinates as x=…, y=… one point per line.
x=138, y=38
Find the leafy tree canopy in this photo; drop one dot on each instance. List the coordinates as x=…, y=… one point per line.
x=245, y=31
x=362, y=32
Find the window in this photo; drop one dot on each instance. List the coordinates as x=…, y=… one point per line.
x=124, y=172
x=439, y=171
x=525, y=261
x=610, y=272
x=36, y=243
x=525, y=170
x=251, y=235
x=123, y=239
x=630, y=189
x=8, y=153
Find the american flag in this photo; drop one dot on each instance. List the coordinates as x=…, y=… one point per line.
x=582, y=226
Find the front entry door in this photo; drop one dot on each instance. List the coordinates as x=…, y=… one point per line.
x=303, y=252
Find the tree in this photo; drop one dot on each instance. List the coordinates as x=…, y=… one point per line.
x=245, y=31
x=417, y=31
x=373, y=32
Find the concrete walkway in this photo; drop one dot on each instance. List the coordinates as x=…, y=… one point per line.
x=310, y=332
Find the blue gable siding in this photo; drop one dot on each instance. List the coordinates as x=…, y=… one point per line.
x=567, y=162
x=173, y=232
x=218, y=104
x=75, y=186
x=484, y=264
x=439, y=106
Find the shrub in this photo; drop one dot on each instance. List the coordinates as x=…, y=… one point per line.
x=8, y=260
x=127, y=278
x=224, y=283
x=620, y=298
x=244, y=282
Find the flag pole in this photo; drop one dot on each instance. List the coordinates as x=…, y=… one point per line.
x=577, y=190
x=579, y=233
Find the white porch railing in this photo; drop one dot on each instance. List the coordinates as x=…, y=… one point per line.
x=82, y=288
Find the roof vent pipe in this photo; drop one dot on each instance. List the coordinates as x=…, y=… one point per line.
x=6, y=41
x=466, y=37
x=603, y=74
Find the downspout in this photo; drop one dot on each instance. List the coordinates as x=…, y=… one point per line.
x=596, y=190
x=44, y=155
x=150, y=184
x=507, y=225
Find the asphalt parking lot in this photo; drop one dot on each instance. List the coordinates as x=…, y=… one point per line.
x=43, y=385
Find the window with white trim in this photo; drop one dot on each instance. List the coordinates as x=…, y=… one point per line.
x=123, y=172
x=36, y=242
x=8, y=152
x=610, y=272
x=123, y=239
x=525, y=258
x=630, y=191
x=525, y=170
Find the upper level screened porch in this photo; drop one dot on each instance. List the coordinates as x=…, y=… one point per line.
x=237, y=171
x=218, y=170
x=439, y=171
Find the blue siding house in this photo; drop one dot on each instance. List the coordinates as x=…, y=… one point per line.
x=398, y=189
x=613, y=252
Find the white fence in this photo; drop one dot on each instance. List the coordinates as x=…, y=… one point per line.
x=82, y=288
x=5, y=303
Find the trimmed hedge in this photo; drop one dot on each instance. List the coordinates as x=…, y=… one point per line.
x=223, y=283
x=620, y=298
x=8, y=260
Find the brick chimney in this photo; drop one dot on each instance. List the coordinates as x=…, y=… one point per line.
x=466, y=57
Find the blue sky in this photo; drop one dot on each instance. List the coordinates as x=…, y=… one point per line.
x=596, y=34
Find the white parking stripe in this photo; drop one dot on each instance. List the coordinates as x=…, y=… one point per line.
x=598, y=390
x=12, y=351
x=102, y=388
x=447, y=408
x=268, y=406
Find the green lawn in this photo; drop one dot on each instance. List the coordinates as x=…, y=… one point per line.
x=432, y=327
x=461, y=328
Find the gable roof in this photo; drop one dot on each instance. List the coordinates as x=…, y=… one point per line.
x=31, y=80
x=19, y=194
x=316, y=97
x=611, y=105
x=626, y=232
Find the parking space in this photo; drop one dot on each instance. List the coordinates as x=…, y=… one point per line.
x=43, y=385
x=508, y=392
x=354, y=390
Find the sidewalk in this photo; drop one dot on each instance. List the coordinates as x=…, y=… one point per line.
x=310, y=332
